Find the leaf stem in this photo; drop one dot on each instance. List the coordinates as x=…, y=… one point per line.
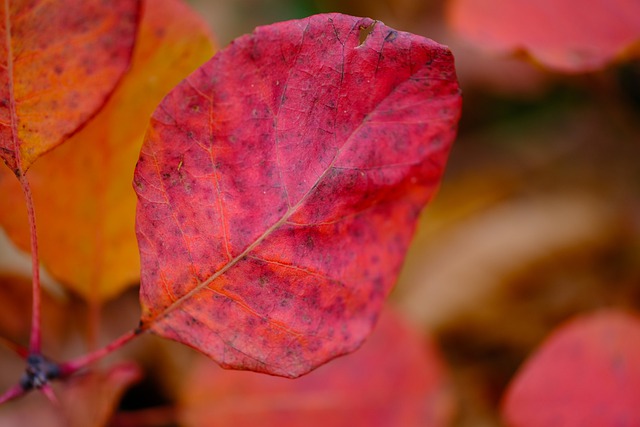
x=72, y=366
x=48, y=392
x=13, y=393
x=36, y=331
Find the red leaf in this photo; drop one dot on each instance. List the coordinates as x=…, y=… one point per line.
x=60, y=60
x=279, y=185
x=568, y=35
x=585, y=374
x=90, y=399
x=393, y=380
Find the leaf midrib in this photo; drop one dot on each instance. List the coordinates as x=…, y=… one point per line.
x=200, y=286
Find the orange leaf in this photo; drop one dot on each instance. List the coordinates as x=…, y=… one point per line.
x=585, y=374
x=567, y=35
x=60, y=60
x=393, y=380
x=82, y=189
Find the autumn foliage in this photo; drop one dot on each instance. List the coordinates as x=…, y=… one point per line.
x=278, y=185
x=592, y=362
x=53, y=85
x=101, y=234
x=376, y=385
x=258, y=204
x=565, y=35
x=307, y=188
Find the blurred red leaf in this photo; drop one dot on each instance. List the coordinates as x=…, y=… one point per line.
x=567, y=35
x=393, y=380
x=60, y=60
x=279, y=186
x=90, y=399
x=585, y=374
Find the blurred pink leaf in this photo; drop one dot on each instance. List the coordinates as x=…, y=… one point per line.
x=395, y=379
x=567, y=35
x=587, y=373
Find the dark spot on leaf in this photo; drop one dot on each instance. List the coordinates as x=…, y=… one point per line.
x=430, y=60
x=314, y=345
x=356, y=233
x=378, y=288
x=391, y=36
x=309, y=242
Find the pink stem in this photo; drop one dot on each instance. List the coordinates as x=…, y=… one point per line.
x=48, y=391
x=14, y=392
x=36, y=332
x=72, y=366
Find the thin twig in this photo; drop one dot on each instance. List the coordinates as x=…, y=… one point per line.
x=13, y=393
x=36, y=331
x=48, y=392
x=72, y=366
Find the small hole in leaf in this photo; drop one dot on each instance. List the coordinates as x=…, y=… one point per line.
x=365, y=30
